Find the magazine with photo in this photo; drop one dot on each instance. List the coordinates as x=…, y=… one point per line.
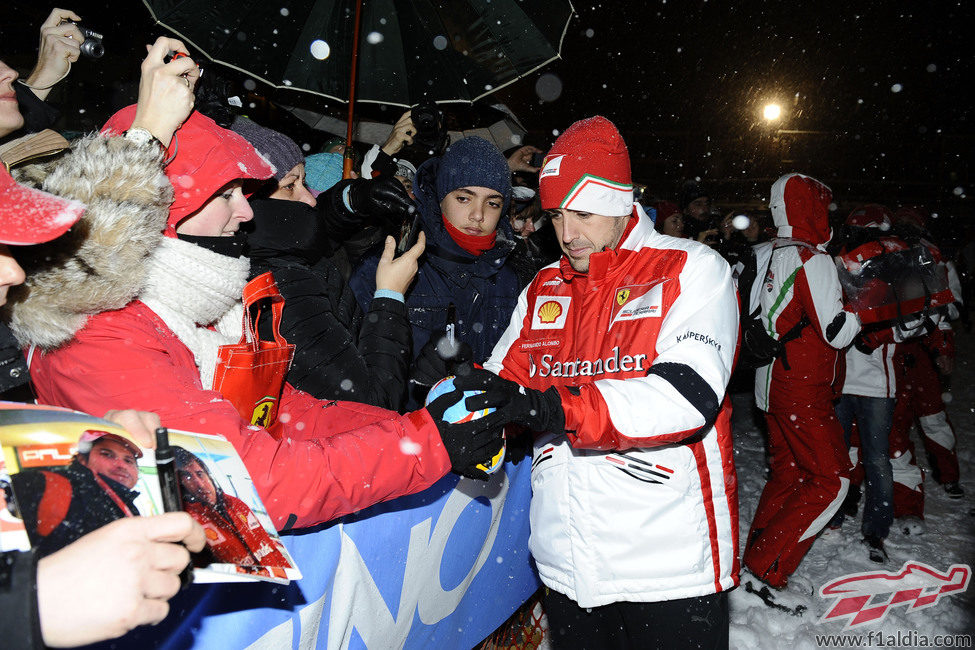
x=64, y=473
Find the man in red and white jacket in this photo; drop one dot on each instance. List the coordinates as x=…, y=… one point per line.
x=810, y=468
x=623, y=349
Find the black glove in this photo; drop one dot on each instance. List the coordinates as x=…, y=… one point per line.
x=537, y=410
x=864, y=345
x=468, y=443
x=438, y=358
x=382, y=199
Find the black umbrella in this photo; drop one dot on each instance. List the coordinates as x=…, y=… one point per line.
x=409, y=51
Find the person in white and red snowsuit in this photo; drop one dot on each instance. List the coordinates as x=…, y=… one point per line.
x=631, y=335
x=809, y=466
x=919, y=365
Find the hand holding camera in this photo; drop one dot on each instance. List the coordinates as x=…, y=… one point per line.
x=61, y=44
x=165, y=90
x=431, y=135
x=397, y=273
x=524, y=159
x=402, y=135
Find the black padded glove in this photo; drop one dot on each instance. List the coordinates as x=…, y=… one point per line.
x=537, y=410
x=382, y=199
x=469, y=443
x=438, y=358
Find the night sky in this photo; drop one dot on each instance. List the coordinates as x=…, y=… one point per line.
x=875, y=95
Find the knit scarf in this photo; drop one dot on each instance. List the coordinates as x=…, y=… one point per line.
x=191, y=289
x=473, y=244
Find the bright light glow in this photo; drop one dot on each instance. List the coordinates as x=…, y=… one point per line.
x=772, y=112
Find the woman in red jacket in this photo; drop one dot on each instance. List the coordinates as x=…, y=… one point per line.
x=121, y=315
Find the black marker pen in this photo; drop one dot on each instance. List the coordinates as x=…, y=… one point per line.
x=169, y=486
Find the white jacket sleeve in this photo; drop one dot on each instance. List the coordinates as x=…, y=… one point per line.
x=685, y=386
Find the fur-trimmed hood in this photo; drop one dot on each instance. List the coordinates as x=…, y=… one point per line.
x=100, y=264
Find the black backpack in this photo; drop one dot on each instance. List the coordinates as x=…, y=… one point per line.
x=758, y=348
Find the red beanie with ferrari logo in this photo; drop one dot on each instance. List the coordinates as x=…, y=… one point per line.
x=588, y=170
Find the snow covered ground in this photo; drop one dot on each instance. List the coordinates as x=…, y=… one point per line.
x=949, y=539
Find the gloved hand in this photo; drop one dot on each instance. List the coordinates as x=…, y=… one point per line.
x=468, y=443
x=438, y=358
x=382, y=198
x=537, y=410
x=865, y=344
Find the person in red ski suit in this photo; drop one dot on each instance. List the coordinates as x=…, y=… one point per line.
x=809, y=465
x=920, y=365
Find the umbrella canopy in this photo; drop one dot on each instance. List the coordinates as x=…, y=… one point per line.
x=409, y=50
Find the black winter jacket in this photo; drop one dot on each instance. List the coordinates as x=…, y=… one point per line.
x=340, y=353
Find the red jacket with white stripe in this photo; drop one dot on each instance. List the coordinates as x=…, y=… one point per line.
x=802, y=281
x=637, y=499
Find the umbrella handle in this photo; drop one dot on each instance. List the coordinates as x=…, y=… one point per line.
x=347, y=155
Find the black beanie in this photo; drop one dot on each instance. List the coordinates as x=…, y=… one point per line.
x=690, y=191
x=474, y=162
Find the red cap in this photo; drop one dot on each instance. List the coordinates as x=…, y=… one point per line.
x=588, y=170
x=89, y=437
x=29, y=216
x=207, y=158
x=871, y=215
x=664, y=209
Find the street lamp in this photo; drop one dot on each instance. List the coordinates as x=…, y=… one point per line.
x=772, y=112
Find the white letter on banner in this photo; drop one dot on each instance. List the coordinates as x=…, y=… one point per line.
x=356, y=601
x=436, y=604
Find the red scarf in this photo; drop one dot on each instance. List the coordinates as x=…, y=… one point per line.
x=473, y=244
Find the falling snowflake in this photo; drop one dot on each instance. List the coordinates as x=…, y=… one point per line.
x=319, y=49
x=410, y=447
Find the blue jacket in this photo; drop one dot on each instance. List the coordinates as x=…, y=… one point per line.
x=484, y=289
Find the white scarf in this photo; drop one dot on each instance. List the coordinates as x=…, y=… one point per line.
x=190, y=288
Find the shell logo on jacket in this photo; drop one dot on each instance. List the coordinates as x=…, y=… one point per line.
x=551, y=312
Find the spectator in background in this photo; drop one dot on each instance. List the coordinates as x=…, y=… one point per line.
x=695, y=205
x=924, y=367
x=809, y=467
x=341, y=352
x=463, y=199
x=669, y=220
x=754, y=232
x=322, y=171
